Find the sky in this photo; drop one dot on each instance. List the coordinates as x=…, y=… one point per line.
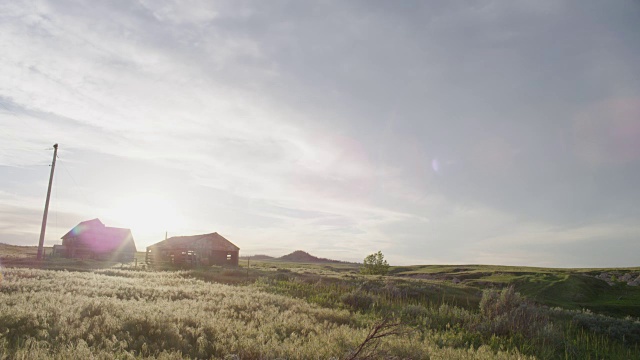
x=439, y=132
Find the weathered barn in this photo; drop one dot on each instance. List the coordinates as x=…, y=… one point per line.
x=92, y=239
x=205, y=249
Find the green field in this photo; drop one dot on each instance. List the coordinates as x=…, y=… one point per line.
x=63, y=308
x=567, y=288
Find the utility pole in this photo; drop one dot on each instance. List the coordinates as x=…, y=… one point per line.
x=46, y=205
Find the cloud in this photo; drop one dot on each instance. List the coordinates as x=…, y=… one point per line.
x=413, y=128
x=180, y=13
x=21, y=221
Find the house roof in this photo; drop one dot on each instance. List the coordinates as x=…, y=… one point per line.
x=93, y=233
x=215, y=240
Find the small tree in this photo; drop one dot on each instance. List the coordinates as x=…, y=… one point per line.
x=375, y=264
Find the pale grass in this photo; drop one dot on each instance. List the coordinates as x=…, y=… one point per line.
x=109, y=314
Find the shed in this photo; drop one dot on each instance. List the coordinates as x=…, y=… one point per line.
x=92, y=239
x=205, y=249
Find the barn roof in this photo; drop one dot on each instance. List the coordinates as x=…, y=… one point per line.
x=215, y=240
x=83, y=226
x=93, y=233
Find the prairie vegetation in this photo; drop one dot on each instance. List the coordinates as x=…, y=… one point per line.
x=567, y=288
x=19, y=252
x=290, y=311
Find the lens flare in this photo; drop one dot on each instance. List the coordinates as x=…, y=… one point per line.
x=76, y=231
x=435, y=165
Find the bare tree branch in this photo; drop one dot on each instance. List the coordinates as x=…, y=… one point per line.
x=370, y=345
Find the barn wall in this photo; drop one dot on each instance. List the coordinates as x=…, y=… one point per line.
x=191, y=255
x=74, y=248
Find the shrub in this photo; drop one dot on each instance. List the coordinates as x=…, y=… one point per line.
x=375, y=264
x=506, y=312
x=357, y=300
x=233, y=272
x=413, y=313
x=282, y=277
x=626, y=330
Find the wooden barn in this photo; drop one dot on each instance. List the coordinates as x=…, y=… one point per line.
x=92, y=239
x=205, y=249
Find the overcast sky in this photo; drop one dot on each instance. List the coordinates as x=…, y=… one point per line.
x=494, y=132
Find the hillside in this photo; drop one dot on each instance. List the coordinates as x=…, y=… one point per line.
x=297, y=256
x=304, y=257
x=609, y=291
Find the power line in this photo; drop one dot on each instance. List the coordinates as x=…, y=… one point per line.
x=68, y=173
x=77, y=187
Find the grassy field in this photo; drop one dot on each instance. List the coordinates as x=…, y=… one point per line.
x=19, y=252
x=89, y=309
x=567, y=288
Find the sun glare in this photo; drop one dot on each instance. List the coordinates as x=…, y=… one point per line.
x=146, y=214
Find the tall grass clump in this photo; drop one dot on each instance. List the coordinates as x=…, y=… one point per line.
x=625, y=330
x=506, y=312
x=507, y=319
x=357, y=300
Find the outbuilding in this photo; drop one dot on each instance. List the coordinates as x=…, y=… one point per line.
x=205, y=249
x=92, y=239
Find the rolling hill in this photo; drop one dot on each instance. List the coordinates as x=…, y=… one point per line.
x=304, y=257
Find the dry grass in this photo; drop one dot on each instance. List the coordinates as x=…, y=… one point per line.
x=137, y=314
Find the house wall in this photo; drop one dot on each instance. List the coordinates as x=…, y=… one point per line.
x=228, y=258
x=192, y=255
